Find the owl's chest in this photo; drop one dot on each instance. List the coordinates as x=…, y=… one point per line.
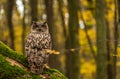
x=40, y=40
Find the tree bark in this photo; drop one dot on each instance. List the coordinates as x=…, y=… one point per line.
x=60, y=3
x=110, y=66
x=88, y=38
x=86, y=31
x=23, y=27
x=9, y=11
x=72, y=57
x=53, y=60
x=117, y=35
x=101, y=60
x=34, y=9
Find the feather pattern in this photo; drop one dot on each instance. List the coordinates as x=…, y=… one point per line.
x=37, y=57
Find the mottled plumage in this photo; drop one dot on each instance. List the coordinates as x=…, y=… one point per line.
x=37, y=42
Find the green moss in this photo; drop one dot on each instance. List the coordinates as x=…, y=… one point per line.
x=54, y=74
x=14, y=72
x=6, y=51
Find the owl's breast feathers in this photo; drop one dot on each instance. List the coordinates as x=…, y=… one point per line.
x=35, y=45
x=38, y=40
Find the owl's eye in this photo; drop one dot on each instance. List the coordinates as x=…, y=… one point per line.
x=36, y=25
x=43, y=25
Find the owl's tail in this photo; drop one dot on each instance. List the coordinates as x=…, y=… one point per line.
x=36, y=69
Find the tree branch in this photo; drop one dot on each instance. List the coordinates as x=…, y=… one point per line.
x=7, y=52
x=7, y=71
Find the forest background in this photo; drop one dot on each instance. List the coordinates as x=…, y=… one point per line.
x=84, y=32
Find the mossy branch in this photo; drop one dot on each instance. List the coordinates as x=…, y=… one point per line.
x=6, y=51
x=7, y=71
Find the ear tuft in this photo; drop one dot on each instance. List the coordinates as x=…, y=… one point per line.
x=44, y=22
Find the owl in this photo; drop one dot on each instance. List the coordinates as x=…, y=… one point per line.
x=37, y=42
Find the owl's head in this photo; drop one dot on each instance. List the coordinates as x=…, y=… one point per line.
x=39, y=27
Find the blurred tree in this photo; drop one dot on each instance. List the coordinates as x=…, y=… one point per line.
x=111, y=48
x=117, y=4
x=62, y=20
x=34, y=9
x=23, y=27
x=88, y=38
x=72, y=41
x=86, y=30
x=91, y=6
x=116, y=23
x=9, y=12
x=101, y=59
x=60, y=3
x=110, y=66
x=53, y=60
x=117, y=35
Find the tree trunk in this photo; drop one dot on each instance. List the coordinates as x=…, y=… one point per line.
x=118, y=19
x=101, y=59
x=23, y=27
x=86, y=31
x=117, y=35
x=110, y=66
x=72, y=57
x=88, y=38
x=34, y=9
x=60, y=3
x=9, y=11
x=53, y=60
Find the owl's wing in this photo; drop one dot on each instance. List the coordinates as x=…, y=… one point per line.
x=28, y=42
x=46, y=42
